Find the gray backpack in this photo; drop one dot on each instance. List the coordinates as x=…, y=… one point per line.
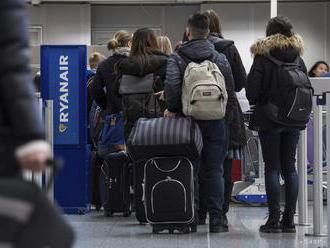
x=204, y=95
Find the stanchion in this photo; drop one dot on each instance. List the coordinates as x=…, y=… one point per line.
x=328, y=162
x=302, y=172
x=49, y=127
x=317, y=173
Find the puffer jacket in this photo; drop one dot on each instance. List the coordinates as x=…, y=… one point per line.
x=237, y=134
x=20, y=122
x=260, y=78
x=197, y=50
x=105, y=78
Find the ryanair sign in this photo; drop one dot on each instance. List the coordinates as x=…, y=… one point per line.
x=63, y=69
x=64, y=94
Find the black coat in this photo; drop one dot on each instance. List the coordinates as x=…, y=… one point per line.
x=132, y=66
x=237, y=132
x=20, y=121
x=102, y=88
x=285, y=49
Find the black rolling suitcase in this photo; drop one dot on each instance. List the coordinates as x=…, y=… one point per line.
x=116, y=184
x=169, y=194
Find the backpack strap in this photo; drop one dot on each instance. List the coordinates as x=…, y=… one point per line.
x=182, y=62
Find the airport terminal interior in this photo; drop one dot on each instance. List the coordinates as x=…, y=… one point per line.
x=65, y=38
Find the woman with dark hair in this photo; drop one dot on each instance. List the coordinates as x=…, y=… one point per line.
x=236, y=127
x=318, y=69
x=145, y=58
x=278, y=141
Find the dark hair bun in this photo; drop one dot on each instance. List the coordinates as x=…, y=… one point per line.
x=112, y=44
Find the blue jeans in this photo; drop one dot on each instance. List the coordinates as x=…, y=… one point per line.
x=279, y=153
x=215, y=146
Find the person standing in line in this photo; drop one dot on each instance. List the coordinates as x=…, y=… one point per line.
x=164, y=44
x=236, y=126
x=214, y=132
x=278, y=141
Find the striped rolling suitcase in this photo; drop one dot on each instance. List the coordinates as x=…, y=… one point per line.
x=155, y=137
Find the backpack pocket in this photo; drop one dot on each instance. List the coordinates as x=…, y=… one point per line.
x=206, y=97
x=300, y=105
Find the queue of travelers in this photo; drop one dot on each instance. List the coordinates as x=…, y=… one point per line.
x=142, y=53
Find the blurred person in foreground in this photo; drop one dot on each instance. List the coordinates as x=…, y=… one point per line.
x=27, y=218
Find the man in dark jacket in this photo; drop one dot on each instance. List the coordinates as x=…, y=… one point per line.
x=214, y=133
x=24, y=210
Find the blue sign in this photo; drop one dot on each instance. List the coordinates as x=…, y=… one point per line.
x=63, y=78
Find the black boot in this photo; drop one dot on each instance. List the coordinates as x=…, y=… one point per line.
x=217, y=224
x=287, y=222
x=202, y=213
x=272, y=225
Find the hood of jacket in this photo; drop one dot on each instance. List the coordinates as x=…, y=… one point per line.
x=197, y=50
x=131, y=65
x=280, y=46
x=219, y=41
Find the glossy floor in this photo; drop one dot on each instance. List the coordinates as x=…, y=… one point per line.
x=95, y=231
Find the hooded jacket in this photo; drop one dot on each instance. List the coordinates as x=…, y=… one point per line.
x=196, y=51
x=228, y=48
x=286, y=49
x=237, y=135
x=20, y=120
x=104, y=79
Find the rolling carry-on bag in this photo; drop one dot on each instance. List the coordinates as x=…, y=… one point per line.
x=115, y=184
x=169, y=194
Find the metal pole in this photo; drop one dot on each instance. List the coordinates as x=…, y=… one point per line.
x=302, y=172
x=273, y=8
x=49, y=122
x=328, y=161
x=37, y=176
x=317, y=172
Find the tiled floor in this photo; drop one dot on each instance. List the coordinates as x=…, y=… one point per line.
x=95, y=231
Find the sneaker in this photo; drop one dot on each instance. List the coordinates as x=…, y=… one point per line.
x=217, y=225
x=287, y=223
x=272, y=225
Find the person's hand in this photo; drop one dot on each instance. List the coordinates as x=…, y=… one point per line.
x=36, y=161
x=161, y=95
x=169, y=114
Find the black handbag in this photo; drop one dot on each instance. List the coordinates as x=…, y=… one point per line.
x=130, y=84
